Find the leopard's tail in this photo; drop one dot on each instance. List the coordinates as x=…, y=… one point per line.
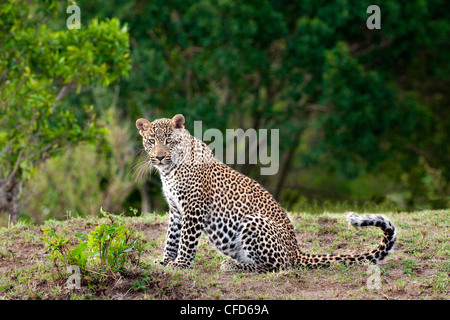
x=376, y=255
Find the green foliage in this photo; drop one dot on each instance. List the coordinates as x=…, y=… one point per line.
x=94, y=175
x=346, y=99
x=365, y=113
x=56, y=244
x=107, y=248
x=39, y=66
x=79, y=255
x=350, y=102
x=113, y=242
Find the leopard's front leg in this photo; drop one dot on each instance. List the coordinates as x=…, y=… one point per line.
x=190, y=235
x=172, y=236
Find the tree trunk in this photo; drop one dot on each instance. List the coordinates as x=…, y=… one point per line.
x=285, y=168
x=146, y=205
x=9, y=198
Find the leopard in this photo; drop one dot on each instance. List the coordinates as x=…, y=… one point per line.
x=238, y=216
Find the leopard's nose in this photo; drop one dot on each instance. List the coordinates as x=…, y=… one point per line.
x=159, y=157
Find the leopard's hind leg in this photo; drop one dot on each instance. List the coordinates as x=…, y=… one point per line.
x=258, y=247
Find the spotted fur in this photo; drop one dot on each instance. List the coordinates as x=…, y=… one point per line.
x=239, y=217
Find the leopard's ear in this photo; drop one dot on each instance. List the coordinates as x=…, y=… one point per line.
x=142, y=125
x=177, y=121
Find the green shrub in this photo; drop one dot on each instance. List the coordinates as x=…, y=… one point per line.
x=109, y=247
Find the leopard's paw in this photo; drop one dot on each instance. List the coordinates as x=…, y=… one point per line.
x=179, y=265
x=163, y=262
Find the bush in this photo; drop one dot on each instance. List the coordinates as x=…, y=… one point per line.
x=109, y=248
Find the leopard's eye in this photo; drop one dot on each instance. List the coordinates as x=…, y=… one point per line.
x=152, y=141
x=169, y=140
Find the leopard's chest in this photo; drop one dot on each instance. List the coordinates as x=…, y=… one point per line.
x=173, y=190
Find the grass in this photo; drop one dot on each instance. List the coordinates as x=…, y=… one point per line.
x=418, y=269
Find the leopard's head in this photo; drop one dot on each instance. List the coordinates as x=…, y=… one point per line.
x=162, y=139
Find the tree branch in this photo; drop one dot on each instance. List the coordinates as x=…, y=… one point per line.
x=63, y=92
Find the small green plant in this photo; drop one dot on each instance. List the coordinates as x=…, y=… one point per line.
x=56, y=244
x=113, y=242
x=108, y=247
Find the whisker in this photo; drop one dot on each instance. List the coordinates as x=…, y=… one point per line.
x=142, y=167
x=140, y=151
